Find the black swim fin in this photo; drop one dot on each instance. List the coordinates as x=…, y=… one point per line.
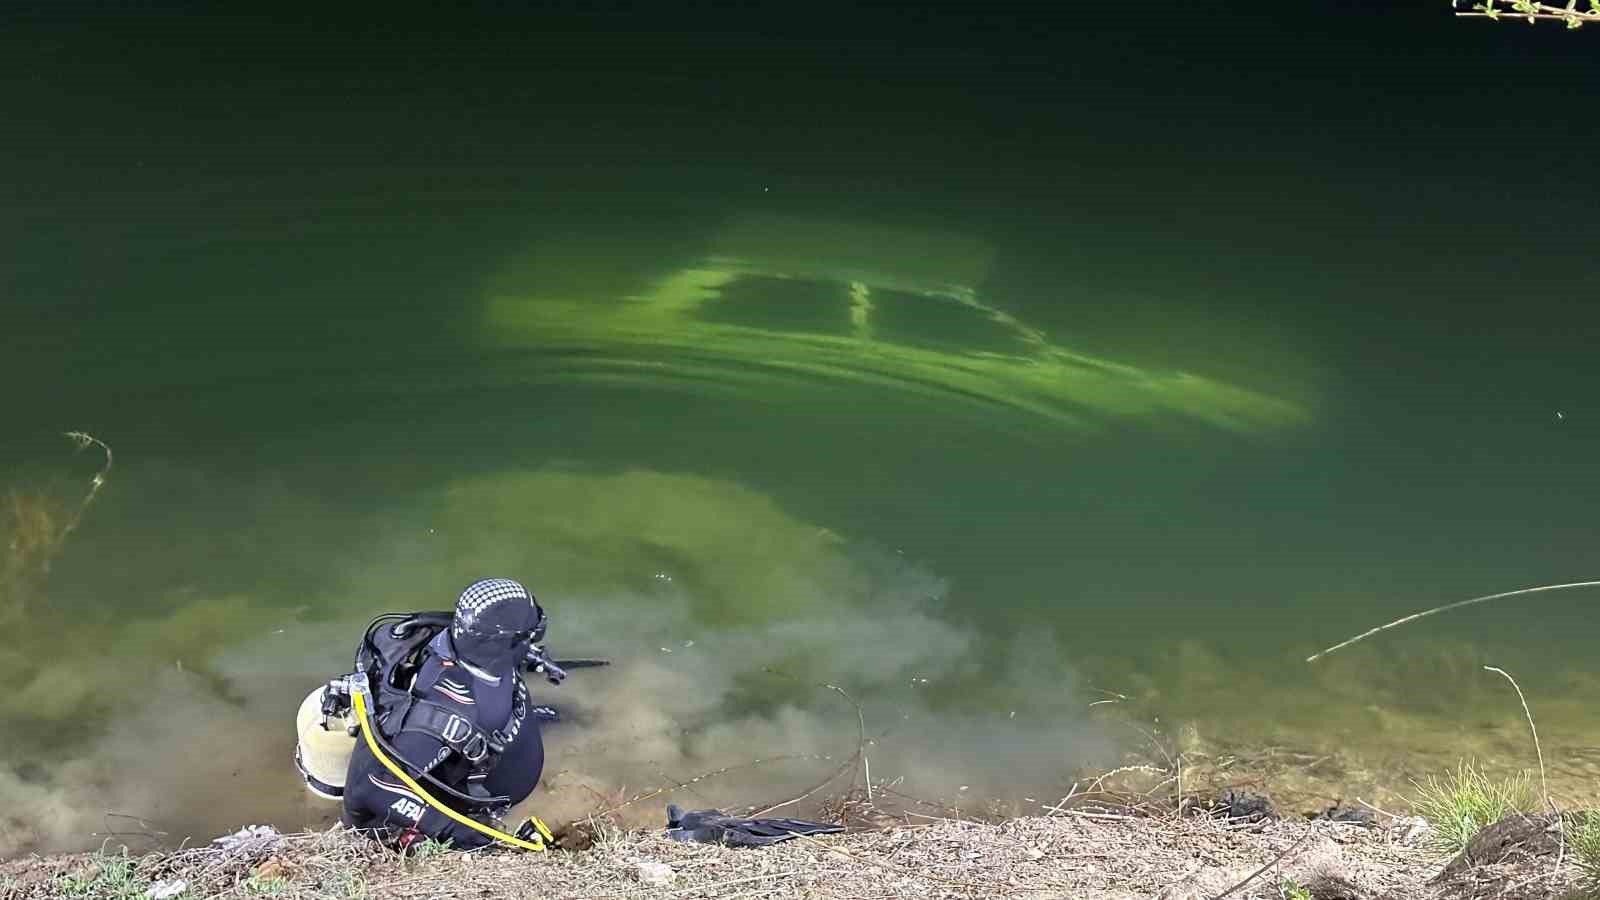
x=711, y=826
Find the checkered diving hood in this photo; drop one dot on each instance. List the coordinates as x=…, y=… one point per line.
x=496, y=619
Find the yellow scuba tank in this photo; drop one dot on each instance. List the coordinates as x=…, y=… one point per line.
x=322, y=753
x=325, y=725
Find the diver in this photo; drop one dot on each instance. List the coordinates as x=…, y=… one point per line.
x=462, y=724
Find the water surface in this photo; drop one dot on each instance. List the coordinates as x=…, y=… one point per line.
x=975, y=403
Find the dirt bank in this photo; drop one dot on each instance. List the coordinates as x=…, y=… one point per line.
x=1088, y=855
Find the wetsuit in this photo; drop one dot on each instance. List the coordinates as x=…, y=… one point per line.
x=376, y=801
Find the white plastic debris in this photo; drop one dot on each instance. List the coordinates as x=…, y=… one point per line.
x=251, y=839
x=654, y=874
x=165, y=890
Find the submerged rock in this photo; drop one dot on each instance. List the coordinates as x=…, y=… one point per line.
x=1244, y=805
x=1353, y=815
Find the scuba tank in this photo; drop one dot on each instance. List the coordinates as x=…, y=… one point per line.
x=391, y=652
x=322, y=751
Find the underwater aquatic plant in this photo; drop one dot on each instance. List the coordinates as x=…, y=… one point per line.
x=34, y=526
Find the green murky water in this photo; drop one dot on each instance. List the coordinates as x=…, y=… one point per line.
x=752, y=413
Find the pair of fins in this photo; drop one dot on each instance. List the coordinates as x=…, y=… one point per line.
x=711, y=826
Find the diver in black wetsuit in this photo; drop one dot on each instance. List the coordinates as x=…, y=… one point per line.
x=467, y=723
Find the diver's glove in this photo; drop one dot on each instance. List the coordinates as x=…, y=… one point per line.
x=409, y=839
x=536, y=832
x=710, y=826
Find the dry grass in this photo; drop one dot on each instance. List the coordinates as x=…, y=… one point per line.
x=1070, y=855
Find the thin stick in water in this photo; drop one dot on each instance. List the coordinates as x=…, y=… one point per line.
x=1446, y=608
x=1534, y=729
x=1538, y=751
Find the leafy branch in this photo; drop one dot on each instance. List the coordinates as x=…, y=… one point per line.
x=1534, y=11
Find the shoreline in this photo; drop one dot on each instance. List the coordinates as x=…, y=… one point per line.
x=1233, y=846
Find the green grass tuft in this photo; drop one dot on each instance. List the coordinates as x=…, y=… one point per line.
x=109, y=876
x=1583, y=840
x=1463, y=802
x=1289, y=889
x=428, y=849
x=256, y=886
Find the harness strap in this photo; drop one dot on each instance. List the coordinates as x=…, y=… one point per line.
x=456, y=731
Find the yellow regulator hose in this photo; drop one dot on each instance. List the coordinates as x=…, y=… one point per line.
x=359, y=699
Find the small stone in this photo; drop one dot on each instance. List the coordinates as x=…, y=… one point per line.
x=1035, y=853
x=165, y=890
x=654, y=874
x=1411, y=831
